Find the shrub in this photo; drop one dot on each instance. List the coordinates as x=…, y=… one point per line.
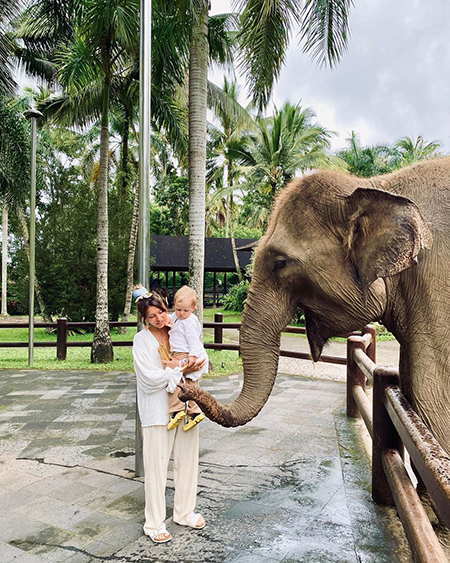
x=237, y=296
x=299, y=318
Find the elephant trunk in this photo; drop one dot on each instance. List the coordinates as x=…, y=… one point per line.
x=264, y=318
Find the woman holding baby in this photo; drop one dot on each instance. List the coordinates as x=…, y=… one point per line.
x=155, y=382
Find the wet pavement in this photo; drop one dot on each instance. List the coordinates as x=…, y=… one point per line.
x=292, y=485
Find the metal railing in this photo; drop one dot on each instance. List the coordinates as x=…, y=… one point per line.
x=394, y=426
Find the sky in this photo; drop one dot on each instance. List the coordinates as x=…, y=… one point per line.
x=393, y=81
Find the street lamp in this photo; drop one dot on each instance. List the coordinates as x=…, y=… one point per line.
x=32, y=115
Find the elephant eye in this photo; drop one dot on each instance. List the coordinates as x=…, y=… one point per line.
x=279, y=264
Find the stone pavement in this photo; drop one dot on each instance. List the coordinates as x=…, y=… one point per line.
x=387, y=354
x=292, y=485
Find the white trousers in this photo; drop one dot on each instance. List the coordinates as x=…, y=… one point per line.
x=157, y=448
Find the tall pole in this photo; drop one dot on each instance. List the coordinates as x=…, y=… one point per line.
x=4, y=311
x=32, y=115
x=144, y=178
x=144, y=142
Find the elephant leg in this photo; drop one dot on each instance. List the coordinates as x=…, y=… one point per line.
x=442, y=532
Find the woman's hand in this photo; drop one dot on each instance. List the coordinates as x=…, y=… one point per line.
x=194, y=367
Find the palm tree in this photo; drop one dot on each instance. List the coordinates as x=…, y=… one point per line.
x=103, y=37
x=202, y=46
x=14, y=174
x=282, y=146
x=198, y=82
x=413, y=150
x=59, y=44
x=368, y=161
x=234, y=121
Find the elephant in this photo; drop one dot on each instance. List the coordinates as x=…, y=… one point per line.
x=348, y=251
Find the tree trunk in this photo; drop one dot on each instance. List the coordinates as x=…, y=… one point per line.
x=227, y=216
x=124, y=157
x=102, y=349
x=26, y=239
x=4, y=311
x=227, y=199
x=230, y=213
x=198, y=79
x=130, y=262
x=233, y=249
x=124, y=164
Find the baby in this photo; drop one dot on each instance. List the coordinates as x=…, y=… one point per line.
x=185, y=345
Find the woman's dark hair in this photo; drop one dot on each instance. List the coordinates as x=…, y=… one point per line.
x=144, y=303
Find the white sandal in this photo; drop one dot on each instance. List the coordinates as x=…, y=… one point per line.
x=161, y=532
x=193, y=522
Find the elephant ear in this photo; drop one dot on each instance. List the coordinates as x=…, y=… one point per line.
x=385, y=234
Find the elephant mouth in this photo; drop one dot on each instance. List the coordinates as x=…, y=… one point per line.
x=316, y=333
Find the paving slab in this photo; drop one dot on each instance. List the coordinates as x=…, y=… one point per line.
x=292, y=485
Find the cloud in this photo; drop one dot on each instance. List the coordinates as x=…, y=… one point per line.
x=393, y=81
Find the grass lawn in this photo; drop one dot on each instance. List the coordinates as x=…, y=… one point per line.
x=228, y=316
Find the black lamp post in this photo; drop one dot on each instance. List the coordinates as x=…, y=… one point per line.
x=32, y=115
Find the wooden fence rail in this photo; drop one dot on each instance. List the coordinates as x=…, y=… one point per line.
x=394, y=426
x=63, y=326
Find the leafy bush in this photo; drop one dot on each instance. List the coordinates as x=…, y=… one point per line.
x=235, y=299
x=299, y=318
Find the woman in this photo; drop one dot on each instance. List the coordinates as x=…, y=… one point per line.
x=153, y=385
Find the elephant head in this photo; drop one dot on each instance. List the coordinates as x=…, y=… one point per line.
x=331, y=242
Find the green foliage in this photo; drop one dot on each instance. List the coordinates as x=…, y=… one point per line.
x=65, y=250
x=368, y=161
x=8, y=11
x=299, y=318
x=236, y=297
x=282, y=145
x=384, y=158
x=14, y=154
x=412, y=150
x=170, y=215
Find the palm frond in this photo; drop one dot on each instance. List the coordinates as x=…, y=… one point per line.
x=325, y=29
x=265, y=30
x=82, y=108
x=35, y=64
x=8, y=11
x=223, y=104
x=222, y=30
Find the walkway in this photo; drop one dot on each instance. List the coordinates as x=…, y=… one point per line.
x=292, y=485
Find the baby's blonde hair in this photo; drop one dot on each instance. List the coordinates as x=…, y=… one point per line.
x=185, y=292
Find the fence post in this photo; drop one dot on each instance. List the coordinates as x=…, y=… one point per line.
x=354, y=375
x=61, y=339
x=218, y=331
x=371, y=349
x=385, y=435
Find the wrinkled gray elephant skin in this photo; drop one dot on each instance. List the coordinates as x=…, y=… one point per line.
x=349, y=251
